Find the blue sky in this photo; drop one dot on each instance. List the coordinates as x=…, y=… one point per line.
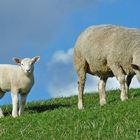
x=49, y=28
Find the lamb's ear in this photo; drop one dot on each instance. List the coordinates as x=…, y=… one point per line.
x=35, y=59
x=17, y=60
x=135, y=67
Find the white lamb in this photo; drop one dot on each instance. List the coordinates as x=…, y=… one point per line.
x=18, y=80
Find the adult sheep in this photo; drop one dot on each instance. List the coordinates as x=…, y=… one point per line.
x=17, y=79
x=107, y=51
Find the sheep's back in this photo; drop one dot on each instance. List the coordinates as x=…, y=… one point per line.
x=104, y=45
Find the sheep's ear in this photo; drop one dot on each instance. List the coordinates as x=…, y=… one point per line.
x=17, y=60
x=135, y=67
x=35, y=59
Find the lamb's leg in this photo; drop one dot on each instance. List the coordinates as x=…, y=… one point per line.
x=101, y=88
x=1, y=95
x=14, y=95
x=118, y=72
x=1, y=113
x=22, y=104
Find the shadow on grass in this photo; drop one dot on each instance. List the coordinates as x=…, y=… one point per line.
x=7, y=113
x=130, y=96
x=7, y=110
x=113, y=100
x=37, y=109
x=135, y=95
x=42, y=108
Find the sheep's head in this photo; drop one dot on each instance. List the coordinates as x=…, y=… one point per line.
x=136, y=69
x=27, y=64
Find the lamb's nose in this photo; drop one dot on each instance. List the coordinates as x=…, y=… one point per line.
x=28, y=70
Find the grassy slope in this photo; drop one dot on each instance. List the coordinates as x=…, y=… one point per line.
x=59, y=119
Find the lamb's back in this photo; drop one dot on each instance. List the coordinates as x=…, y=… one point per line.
x=7, y=73
x=12, y=76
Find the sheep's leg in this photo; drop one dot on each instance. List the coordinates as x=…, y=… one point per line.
x=1, y=112
x=118, y=72
x=127, y=84
x=101, y=88
x=81, y=84
x=22, y=104
x=80, y=65
x=124, y=88
x=14, y=94
x=128, y=81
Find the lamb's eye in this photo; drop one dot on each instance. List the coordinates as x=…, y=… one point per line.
x=22, y=64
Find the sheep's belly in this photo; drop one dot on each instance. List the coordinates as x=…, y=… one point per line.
x=100, y=70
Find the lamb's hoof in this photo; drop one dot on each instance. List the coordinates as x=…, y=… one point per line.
x=14, y=116
x=80, y=106
x=1, y=115
x=102, y=102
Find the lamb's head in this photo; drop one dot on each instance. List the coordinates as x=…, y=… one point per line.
x=27, y=64
x=136, y=69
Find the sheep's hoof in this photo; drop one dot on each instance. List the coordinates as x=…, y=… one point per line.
x=124, y=98
x=80, y=106
x=102, y=102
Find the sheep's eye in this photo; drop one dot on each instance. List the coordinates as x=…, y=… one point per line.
x=22, y=64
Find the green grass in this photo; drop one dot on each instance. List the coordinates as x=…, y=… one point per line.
x=59, y=119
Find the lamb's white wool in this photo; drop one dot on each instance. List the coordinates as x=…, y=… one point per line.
x=18, y=80
x=107, y=51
